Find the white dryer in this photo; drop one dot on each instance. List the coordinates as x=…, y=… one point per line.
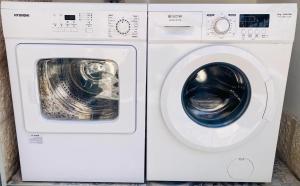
x=77, y=73
x=216, y=82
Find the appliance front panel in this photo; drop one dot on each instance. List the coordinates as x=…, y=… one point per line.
x=78, y=88
x=170, y=159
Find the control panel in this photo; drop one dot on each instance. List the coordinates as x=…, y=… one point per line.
x=237, y=26
x=246, y=26
x=72, y=22
x=115, y=25
x=268, y=22
x=76, y=21
x=254, y=26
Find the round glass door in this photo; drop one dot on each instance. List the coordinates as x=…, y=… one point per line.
x=216, y=95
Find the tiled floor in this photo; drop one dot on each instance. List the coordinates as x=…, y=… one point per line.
x=282, y=177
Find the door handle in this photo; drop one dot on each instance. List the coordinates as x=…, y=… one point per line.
x=177, y=26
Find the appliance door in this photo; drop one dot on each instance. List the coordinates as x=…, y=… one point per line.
x=215, y=97
x=78, y=88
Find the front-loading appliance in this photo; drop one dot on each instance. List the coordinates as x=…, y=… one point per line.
x=216, y=82
x=78, y=75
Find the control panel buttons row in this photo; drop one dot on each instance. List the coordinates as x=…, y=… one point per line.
x=254, y=33
x=65, y=30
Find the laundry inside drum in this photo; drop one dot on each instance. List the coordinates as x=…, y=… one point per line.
x=78, y=89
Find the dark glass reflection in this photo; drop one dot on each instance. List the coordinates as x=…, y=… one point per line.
x=216, y=95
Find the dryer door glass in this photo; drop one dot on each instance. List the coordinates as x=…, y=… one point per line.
x=216, y=95
x=78, y=89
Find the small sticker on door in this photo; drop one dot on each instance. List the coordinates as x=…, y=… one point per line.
x=35, y=139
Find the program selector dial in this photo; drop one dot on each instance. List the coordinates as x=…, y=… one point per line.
x=123, y=26
x=222, y=25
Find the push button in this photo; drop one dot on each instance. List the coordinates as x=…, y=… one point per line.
x=89, y=30
x=256, y=33
x=74, y=30
x=250, y=33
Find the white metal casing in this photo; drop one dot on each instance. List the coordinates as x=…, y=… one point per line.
x=182, y=39
x=83, y=153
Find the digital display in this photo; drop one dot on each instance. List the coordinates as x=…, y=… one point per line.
x=254, y=20
x=69, y=17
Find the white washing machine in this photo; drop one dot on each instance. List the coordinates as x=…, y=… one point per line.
x=216, y=82
x=77, y=73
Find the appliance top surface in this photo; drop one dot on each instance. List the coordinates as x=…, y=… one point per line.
x=191, y=6
x=198, y=1
x=219, y=1
x=126, y=5
x=105, y=1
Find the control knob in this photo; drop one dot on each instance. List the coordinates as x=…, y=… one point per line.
x=222, y=25
x=123, y=26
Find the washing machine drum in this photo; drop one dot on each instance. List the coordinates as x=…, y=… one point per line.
x=215, y=100
x=216, y=95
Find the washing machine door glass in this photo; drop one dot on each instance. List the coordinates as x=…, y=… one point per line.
x=78, y=88
x=216, y=94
